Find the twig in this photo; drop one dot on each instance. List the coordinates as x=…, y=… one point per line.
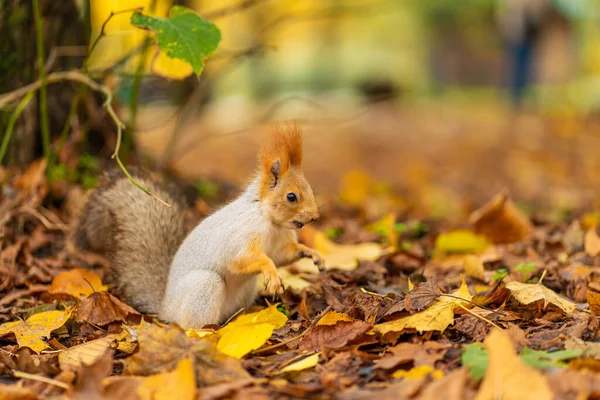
x=78, y=76
x=25, y=375
x=226, y=11
x=479, y=316
x=300, y=336
x=473, y=303
x=9, y=298
x=102, y=30
x=11, y=123
x=44, y=123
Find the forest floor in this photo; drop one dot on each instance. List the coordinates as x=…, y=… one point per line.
x=495, y=300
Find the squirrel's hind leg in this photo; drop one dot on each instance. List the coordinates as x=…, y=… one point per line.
x=194, y=299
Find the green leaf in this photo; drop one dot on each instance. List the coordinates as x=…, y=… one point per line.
x=544, y=360
x=183, y=35
x=475, y=358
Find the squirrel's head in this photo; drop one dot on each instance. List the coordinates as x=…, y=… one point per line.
x=283, y=187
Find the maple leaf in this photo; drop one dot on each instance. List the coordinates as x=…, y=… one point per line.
x=77, y=282
x=527, y=293
x=507, y=376
x=436, y=317
x=249, y=332
x=30, y=331
x=179, y=384
x=102, y=308
x=501, y=221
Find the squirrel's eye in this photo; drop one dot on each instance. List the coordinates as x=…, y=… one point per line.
x=292, y=197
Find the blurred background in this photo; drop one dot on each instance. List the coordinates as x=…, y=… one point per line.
x=440, y=103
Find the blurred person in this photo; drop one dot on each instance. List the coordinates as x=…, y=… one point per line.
x=521, y=23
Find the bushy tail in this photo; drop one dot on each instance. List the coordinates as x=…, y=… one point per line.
x=138, y=233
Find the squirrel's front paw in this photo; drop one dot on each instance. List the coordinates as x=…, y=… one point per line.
x=317, y=258
x=273, y=282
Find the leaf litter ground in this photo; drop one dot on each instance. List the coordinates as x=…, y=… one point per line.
x=498, y=307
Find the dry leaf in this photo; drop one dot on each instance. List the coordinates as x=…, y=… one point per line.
x=527, y=293
x=460, y=241
x=333, y=317
x=501, y=221
x=334, y=336
x=29, y=333
x=590, y=349
x=179, y=384
x=436, y=317
x=451, y=385
x=77, y=282
x=340, y=257
x=16, y=392
x=386, y=227
x=474, y=267
x=355, y=187
x=88, y=353
x=305, y=363
x=161, y=349
x=102, y=308
x=507, y=377
x=249, y=332
x=422, y=296
x=593, y=299
x=592, y=242
x=33, y=180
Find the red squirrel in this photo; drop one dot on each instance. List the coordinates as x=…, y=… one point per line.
x=205, y=276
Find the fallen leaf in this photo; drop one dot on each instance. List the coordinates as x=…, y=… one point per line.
x=249, y=332
x=386, y=228
x=501, y=221
x=179, y=384
x=77, y=282
x=497, y=295
x=507, y=376
x=102, y=308
x=33, y=180
x=334, y=336
x=436, y=317
x=545, y=360
x=340, y=257
x=592, y=242
x=418, y=373
x=460, y=241
x=527, y=293
x=475, y=359
x=305, y=363
x=588, y=349
x=422, y=296
x=427, y=353
x=452, y=386
x=88, y=353
x=161, y=349
x=474, y=267
x=355, y=187
x=333, y=317
x=17, y=392
x=30, y=331
x=89, y=384
x=593, y=299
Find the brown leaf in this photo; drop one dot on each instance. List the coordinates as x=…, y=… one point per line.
x=160, y=349
x=501, y=221
x=453, y=386
x=496, y=296
x=102, y=308
x=334, y=336
x=426, y=354
x=89, y=379
x=33, y=180
x=593, y=299
x=422, y=296
x=592, y=242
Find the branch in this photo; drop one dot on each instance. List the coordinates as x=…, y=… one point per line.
x=78, y=76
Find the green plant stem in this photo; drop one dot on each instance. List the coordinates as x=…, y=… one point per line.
x=44, y=123
x=11, y=123
x=68, y=122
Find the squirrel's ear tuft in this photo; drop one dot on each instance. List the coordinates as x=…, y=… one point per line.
x=275, y=173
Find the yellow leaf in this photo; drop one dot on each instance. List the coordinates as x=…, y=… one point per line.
x=507, y=377
x=411, y=285
x=199, y=333
x=179, y=384
x=171, y=68
x=292, y=281
x=303, y=364
x=355, y=187
x=592, y=242
x=333, y=317
x=30, y=332
x=528, y=293
x=76, y=283
x=84, y=354
x=249, y=332
x=593, y=299
x=460, y=241
x=436, y=317
x=418, y=373
x=341, y=257
x=474, y=267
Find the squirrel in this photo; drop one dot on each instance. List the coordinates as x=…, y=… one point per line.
x=208, y=275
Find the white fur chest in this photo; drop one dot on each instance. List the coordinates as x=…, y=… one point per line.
x=275, y=239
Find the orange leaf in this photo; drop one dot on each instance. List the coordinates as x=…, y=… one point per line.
x=77, y=282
